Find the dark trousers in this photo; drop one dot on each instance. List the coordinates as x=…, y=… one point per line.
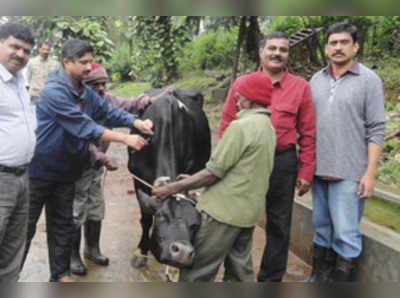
x=58, y=198
x=279, y=214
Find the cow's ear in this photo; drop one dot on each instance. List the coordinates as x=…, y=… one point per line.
x=148, y=203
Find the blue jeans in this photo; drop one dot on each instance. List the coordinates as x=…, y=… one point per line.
x=337, y=212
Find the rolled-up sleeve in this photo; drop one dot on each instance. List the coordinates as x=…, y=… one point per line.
x=131, y=105
x=375, y=112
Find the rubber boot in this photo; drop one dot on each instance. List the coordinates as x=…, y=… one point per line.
x=323, y=264
x=77, y=266
x=92, y=247
x=345, y=269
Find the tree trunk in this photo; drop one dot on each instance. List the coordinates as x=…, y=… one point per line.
x=242, y=30
x=361, y=40
x=253, y=39
x=373, y=41
x=130, y=44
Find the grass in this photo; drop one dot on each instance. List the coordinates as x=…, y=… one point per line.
x=194, y=80
x=130, y=89
x=383, y=213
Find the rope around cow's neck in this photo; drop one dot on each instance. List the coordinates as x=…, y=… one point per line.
x=178, y=196
x=142, y=181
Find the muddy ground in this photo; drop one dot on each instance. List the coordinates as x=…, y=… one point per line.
x=121, y=234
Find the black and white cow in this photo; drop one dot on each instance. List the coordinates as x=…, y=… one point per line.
x=181, y=144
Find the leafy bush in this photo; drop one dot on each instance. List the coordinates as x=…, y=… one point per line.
x=287, y=24
x=119, y=66
x=389, y=164
x=387, y=67
x=211, y=50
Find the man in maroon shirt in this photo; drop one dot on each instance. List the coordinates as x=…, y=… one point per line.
x=294, y=122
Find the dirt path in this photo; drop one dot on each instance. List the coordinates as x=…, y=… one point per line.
x=120, y=236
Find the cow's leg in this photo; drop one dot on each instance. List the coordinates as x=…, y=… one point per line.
x=140, y=256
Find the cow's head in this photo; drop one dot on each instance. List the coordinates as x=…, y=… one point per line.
x=176, y=222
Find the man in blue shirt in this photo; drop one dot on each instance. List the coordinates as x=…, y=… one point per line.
x=17, y=141
x=67, y=112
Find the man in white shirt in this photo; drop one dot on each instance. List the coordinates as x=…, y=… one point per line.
x=17, y=139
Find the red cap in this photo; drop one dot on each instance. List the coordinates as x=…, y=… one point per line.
x=95, y=65
x=98, y=72
x=256, y=87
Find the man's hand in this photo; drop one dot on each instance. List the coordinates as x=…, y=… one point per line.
x=366, y=187
x=144, y=126
x=166, y=190
x=135, y=141
x=110, y=164
x=302, y=186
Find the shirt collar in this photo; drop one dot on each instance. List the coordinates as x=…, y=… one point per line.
x=78, y=97
x=354, y=69
x=7, y=76
x=282, y=81
x=246, y=112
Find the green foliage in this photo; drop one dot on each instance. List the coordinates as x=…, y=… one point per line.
x=119, y=66
x=159, y=43
x=212, y=50
x=61, y=28
x=389, y=164
x=287, y=24
x=388, y=34
x=387, y=68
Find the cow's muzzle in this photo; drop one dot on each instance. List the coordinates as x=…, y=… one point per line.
x=182, y=252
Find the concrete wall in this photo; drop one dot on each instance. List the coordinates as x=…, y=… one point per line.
x=380, y=260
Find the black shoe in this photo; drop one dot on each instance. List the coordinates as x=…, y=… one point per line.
x=323, y=264
x=77, y=266
x=92, y=248
x=345, y=269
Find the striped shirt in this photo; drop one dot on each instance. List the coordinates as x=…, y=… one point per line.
x=17, y=121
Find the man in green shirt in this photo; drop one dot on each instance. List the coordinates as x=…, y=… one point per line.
x=236, y=179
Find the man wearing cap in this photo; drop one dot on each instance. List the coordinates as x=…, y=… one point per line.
x=236, y=180
x=89, y=207
x=292, y=115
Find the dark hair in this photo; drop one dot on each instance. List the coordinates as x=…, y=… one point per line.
x=342, y=27
x=273, y=35
x=17, y=31
x=75, y=49
x=41, y=43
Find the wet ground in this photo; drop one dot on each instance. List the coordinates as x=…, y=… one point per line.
x=121, y=234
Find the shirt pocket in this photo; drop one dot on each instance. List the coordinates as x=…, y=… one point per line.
x=285, y=116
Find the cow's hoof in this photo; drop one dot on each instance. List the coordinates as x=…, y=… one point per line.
x=138, y=260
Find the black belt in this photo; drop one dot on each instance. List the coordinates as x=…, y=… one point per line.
x=18, y=171
x=290, y=148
